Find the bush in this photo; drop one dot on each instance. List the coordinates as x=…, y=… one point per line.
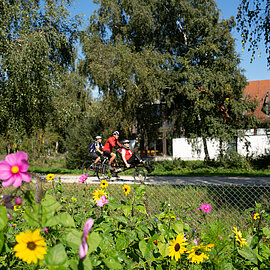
x=232, y=159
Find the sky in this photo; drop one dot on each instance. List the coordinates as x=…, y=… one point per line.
x=257, y=70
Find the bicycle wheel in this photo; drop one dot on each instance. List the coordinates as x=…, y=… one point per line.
x=87, y=168
x=105, y=173
x=139, y=175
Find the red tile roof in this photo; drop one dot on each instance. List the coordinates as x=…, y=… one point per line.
x=258, y=90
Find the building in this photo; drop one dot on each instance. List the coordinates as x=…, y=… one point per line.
x=255, y=142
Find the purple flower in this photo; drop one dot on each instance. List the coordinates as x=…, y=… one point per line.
x=205, y=207
x=13, y=170
x=83, y=249
x=46, y=230
x=18, y=200
x=102, y=201
x=83, y=178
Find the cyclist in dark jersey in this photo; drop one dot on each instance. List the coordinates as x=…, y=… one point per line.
x=94, y=148
x=109, y=145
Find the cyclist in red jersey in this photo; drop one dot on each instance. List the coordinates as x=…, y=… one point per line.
x=109, y=145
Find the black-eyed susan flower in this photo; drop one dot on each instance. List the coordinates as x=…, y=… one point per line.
x=198, y=253
x=256, y=216
x=126, y=189
x=103, y=183
x=98, y=194
x=31, y=246
x=177, y=247
x=17, y=207
x=50, y=177
x=238, y=237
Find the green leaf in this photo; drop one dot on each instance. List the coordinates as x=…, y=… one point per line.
x=113, y=263
x=52, y=221
x=163, y=249
x=32, y=217
x=127, y=210
x=121, y=219
x=56, y=256
x=248, y=254
x=141, y=208
x=3, y=217
x=121, y=242
x=2, y=240
x=266, y=232
x=142, y=247
x=146, y=249
x=66, y=220
x=50, y=204
x=73, y=239
x=178, y=227
x=87, y=264
x=93, y=242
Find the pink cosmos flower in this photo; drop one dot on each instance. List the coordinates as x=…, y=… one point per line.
x=102, y=201
x=83, y=249
x=83, y=178
x=46, y=230
x=13, y=170
x=196, y=241
x=18, y=200
x=205, y=207
x=220, y=237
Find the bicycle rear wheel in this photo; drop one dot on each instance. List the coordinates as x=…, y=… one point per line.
x=105, y=173
x=139, y=175
x=87, y=167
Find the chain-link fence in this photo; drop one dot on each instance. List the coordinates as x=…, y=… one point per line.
x=228, y=201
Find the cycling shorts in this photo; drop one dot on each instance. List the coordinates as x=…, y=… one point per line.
x=93, y=155
x=107, y=154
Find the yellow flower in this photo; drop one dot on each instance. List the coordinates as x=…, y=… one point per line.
x=103, y=183
x=177, y=247
x=30, y=247
x=197, y=253
x=98, y=193
x=17, y=207
x=238, y=237
x=227, y=99
x=74, y=199
x=173, y=217
x=256, y=216
x=50, y=177
x=126, y=189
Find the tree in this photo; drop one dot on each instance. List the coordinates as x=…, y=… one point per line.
x=176, y=52
x=253, y=21
x=36, y=47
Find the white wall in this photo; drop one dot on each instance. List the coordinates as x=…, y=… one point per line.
x=259, y=144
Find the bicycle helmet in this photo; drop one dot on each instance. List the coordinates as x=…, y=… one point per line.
x=98, y=137
x=115, y=133
x=125, y=141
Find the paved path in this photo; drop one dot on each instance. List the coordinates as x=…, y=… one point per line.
x=178, y=180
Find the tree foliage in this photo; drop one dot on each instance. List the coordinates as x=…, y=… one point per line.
x=36, y=47
x=176, y=52
x=254, y=25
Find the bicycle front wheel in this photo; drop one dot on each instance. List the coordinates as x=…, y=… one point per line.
x=139, y=175
x=87, y=167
